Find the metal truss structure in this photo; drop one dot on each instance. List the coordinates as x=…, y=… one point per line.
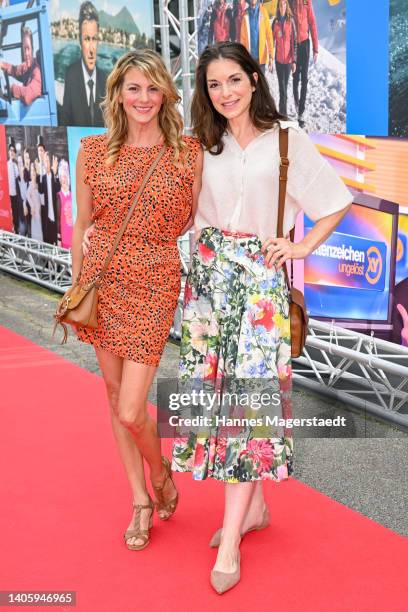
x=44, y=264
x=357, y=369
x=49, y=265
x=182, y=25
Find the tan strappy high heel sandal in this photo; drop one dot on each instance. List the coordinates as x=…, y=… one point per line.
x=136, y=532
x=161, y=504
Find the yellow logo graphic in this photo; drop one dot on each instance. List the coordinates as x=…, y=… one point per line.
x=400, y=249
x=375, y=265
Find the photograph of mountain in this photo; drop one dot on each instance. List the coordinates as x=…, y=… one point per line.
x=122, y=21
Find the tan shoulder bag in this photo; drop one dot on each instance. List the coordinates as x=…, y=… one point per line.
x=79, y=305
x=297, y=307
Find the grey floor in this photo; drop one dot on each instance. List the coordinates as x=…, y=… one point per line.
x=368, y=473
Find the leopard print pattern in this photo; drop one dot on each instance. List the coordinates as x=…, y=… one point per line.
x=139, y=293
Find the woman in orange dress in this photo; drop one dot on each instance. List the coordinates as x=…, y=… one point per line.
x=139, y=293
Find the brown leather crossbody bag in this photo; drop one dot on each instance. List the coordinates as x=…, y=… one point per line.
x=79, y=305
x=297, y=307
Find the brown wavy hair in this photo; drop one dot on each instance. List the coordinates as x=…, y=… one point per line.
x=288, y=13
x=170, y=122
x=207, y=124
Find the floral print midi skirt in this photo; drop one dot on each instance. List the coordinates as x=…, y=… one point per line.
x=236, y=327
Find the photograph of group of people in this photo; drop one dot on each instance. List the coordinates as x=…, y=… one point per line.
x=300, y=45
x=39, y=184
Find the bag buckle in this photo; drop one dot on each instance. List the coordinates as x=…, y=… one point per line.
x=283, y=168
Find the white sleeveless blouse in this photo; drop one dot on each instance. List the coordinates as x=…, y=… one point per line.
x=240, y=187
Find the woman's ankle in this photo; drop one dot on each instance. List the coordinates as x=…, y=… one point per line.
x=158, y=479
x=158, y=473
x=257, y=502
x=141, y=497
x=230, y=541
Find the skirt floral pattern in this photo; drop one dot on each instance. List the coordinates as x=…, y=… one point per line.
x=236, y=326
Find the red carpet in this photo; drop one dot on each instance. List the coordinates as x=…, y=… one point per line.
x=65, y=504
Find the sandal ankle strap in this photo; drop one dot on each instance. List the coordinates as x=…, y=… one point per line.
x=144, y=506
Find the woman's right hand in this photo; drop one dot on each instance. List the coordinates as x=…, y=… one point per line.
x=86, y=240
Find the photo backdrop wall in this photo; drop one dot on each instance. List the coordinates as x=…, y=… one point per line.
x=54, y=59
x=39, y=184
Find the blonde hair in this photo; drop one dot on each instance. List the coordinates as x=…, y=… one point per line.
x=171, y=124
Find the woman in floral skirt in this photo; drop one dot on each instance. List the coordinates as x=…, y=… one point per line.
x=236, y=331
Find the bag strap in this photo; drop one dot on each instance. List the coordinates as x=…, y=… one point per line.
x=283, y=179
x=122, y=228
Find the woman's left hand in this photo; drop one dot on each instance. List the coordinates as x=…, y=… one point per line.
x=278, y=250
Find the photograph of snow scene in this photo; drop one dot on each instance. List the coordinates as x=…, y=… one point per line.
x=301, y=47
x=398, y=69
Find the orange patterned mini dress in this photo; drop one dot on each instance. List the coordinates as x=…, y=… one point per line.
x=138, y=294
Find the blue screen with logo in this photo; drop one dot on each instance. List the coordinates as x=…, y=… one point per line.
x=348, y=276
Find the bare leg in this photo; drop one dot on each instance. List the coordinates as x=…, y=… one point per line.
x=256, y=507
x=237, y=500
x=133, y=414
x=111, y=368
